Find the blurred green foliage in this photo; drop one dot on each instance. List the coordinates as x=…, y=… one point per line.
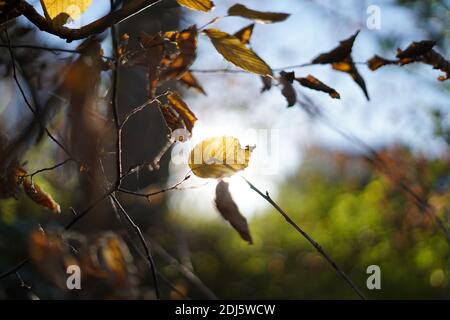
x=359, y=219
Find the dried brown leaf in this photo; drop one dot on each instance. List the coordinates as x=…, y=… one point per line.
x=230, y=211
x=288, y=91
x=258, y=16
x=315, y=84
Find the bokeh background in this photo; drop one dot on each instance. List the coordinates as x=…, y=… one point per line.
x=316, y=168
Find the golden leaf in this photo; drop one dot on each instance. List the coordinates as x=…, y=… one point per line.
x=219, y=157
x=177, y=65
x=182, y=109
x=200, y=5
x=233, y=50
x=245, y=33
x=230, y=211
x=258, y=16
x=61, y=12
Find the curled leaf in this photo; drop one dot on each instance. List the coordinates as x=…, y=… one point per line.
x=240, y=10
x=245, y=33
x=315, y=84
x=233, y=50
x=199, y=5
x=341, y=59
x=415, y=49
x=288, y=91
x=186, y=115
x=438, y=62
x=219, y=157
x=35, y=193
x=154, y=51
x=230, y=211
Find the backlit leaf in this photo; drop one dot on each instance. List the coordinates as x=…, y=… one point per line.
x=245, y=33
x=200, y=5
x=186, y=41
x=233, y=50
x=219, y=157
x=315, y=84
x=187, y=116
x=258, y=16
x=64, y=11
x=35, y=193
x=230, y=211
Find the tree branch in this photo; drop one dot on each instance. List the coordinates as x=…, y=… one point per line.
x=132, y=8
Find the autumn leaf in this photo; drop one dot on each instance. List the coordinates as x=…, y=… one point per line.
x=240, y=10
x=219, y=157
x=233, y=50
x=415, y=50
x=438, y=62
x=267, y=83
x=186, y=115
x=341, y=59
x=421, y=51
x=177, y=65
x=245, y=33
x=377, y=62
x=35, y=193
x=313, y=83
x=61, y=12
x=154, y=51
x=288, y=91
x=190, y=81
x=230, y=211
x=199, y=5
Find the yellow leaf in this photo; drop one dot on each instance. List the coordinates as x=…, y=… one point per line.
x=258, y=16
x=61, y=11
x=245, y=33
x=233, y=50
x=200, y=5
x=219, y=157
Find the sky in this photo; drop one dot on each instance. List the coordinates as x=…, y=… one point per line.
x=397, y=113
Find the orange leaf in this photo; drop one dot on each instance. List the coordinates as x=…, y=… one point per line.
x=35, y=193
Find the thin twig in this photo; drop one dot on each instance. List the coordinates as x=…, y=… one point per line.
x=49, y=49
x=194, y=279
x=314, y=243
x=114, y=100
x=150, y=194
x=138, y=232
